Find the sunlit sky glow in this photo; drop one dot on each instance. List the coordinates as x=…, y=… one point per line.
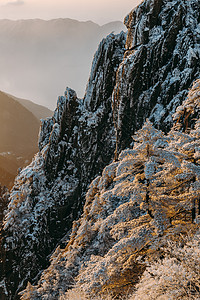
x=99, y=11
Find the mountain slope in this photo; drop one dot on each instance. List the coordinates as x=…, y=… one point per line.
x=7, y=178
x=48, y=55
x=19, y=129
x=79, y=141
x=131, y=210
x=39, y=111
x=18, y=133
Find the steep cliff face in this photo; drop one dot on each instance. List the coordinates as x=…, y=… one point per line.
x=75, y=144
x=161, y=61
x=138, y=203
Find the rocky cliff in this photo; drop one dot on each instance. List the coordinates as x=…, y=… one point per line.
x=75, y=145
x=162, y=59
x=149, y=79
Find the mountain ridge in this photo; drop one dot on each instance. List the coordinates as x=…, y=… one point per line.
x=39, y=111
x=19, y=134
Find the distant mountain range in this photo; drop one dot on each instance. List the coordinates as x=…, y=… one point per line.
x=38, y=58
x=19, y=127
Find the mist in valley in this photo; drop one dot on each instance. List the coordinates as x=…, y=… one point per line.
x=39, y=58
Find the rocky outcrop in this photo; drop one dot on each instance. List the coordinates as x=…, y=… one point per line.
x=161, y=61
x=75, y=145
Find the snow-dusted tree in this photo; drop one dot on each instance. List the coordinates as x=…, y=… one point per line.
x=189, y=143
x=175, y=277
x=146, y=160
x=190, y=107
x=164, y=174
x=174, y=186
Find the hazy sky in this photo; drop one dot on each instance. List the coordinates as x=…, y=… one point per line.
x=100, y=11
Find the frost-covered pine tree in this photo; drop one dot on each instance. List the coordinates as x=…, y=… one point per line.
x=177, y=276
x=188, y=143
x=162, y=175
x=148, y=144
x=177, y=188
x=167, y=172
x=189, y=109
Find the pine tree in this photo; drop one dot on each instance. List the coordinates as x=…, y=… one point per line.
x=177, y=276
x=190, y=107
x=189, y=143
x=168, y=171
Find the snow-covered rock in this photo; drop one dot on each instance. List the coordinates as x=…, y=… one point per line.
x=161, y=62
